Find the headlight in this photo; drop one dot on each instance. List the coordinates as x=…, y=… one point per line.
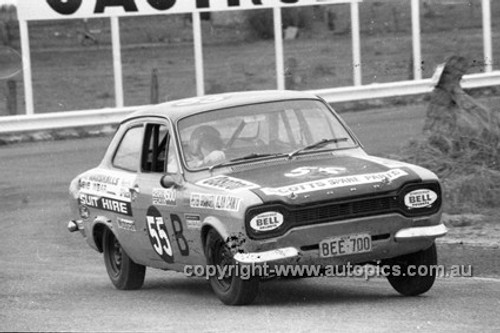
x=420, y=199
x=266, y=221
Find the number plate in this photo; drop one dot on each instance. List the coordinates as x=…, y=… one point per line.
x=344, y=245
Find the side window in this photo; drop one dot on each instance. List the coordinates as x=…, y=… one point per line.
x=128, y=153
x=155, y=144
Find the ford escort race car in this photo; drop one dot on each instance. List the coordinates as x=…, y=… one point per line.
x=251, y=179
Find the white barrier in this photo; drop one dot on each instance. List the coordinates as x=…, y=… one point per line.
x=59, y=120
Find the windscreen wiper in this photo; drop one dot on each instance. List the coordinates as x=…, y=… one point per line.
x=245, y=157
x=317, y=144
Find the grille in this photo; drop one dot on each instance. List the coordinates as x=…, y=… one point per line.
x=339, y=211
x=331, y=211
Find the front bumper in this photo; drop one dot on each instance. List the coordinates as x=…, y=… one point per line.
x=410, y=234
x=75, y=225
x=404, y=241
x=266, y=256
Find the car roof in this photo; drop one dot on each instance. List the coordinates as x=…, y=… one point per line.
x=184, y=107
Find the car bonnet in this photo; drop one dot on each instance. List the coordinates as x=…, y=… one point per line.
x=303, y=180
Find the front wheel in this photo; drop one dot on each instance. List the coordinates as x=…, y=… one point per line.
x=413, y=274
x=123, y=272
x=231, y=289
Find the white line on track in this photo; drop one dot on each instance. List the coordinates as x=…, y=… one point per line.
x=487, y=279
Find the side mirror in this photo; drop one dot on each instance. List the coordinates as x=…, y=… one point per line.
x=169, y=181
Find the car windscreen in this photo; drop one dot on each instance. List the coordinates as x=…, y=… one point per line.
x=259, y=130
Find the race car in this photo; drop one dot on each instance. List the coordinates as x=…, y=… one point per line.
x=253, y=179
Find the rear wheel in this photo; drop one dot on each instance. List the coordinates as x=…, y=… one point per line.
x=123, y=272
x=413, y=274
x=230, y=289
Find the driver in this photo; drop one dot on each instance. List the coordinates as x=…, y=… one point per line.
x=205, y=147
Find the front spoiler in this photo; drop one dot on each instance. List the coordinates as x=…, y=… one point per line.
x=403, y=235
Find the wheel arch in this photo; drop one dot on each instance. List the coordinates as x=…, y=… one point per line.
x=212, y=222
x=101, y=224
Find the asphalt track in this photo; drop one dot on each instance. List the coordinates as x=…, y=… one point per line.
x=50, y=280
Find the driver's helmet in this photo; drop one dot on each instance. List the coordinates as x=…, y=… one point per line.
x=207, y=137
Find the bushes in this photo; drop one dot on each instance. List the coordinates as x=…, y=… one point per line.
x=461, y=144
x=469, y=193
x=471, y=180
x=261, y=22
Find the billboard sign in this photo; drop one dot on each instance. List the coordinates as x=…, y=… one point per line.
x=68, y=9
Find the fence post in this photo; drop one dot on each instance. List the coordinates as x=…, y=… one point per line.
x=487, y=37
x=11, y=97
x=416, y=47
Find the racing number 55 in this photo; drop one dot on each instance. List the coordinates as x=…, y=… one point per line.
x=158, y=235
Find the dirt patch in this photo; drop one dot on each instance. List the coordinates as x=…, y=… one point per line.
x=473, y=229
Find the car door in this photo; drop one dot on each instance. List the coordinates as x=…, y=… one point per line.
x=158, y=210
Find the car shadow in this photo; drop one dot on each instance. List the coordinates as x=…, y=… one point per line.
x=279, y=292
x=325, y=291
x=177, y=284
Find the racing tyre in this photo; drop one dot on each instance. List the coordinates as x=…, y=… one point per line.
x=423, y=275
x=123, y=272
x=231, y=289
